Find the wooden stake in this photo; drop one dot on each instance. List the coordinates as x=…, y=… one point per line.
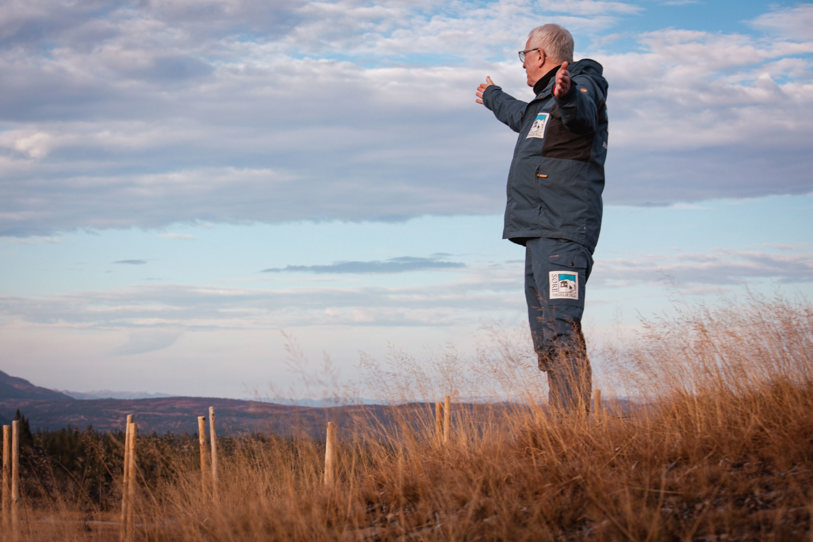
x=447, y=419
x=131, y=484
x=125, y=486
x=6, y=477
x=439, y=421
x=330, y=455
x=213, y=442
x=15, y=478
x=597, y=402
x=202, y=446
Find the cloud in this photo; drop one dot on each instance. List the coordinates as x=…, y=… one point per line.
x=589, y=7
x=724, y=267
x=394, y=265
x=151, y=114
x=36, y=145
x=131, y=262
x=791, y=23
x=141, y=342
x=717, y=111
x=34, y=240
x=186, y=308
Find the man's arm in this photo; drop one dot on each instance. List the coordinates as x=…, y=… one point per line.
x=506, y=108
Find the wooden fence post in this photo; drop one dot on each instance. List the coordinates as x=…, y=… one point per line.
x=6, y=477
x=125, y=528
x=202, y=446
x=447, y=419
x=131, y=483
x=213, y=442
x=439, y=421
x=15, y=479
x=330, y=455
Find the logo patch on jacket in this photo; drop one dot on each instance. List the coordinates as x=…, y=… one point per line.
x=563, y=285
x=538, y=127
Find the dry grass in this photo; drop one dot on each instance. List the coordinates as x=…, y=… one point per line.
x=720, y=447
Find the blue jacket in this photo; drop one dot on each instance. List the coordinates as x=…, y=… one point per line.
x=557, y=172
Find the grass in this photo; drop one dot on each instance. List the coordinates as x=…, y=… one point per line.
x=719, y=446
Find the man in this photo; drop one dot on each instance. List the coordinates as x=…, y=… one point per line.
x=554, y=202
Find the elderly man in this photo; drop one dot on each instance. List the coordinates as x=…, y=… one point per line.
x=554, y=202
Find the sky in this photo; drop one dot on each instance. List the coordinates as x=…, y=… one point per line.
x=238, y=198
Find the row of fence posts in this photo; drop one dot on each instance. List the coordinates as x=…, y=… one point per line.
x=208, y=476
x=208, y=464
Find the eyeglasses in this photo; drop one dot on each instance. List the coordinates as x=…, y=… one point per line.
x=526, y=51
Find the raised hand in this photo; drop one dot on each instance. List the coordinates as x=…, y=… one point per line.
x=562, y=86
x=482, y=88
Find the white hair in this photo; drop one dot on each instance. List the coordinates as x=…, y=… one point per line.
x=554, y=40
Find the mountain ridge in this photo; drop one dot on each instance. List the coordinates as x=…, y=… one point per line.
x=47, y=410
x=20, y=388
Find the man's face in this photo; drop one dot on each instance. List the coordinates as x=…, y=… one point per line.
x=534, y=61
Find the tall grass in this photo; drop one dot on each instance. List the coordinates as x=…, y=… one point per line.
x=719, y=445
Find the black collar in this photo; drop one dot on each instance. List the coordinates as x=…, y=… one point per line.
x=542, y=83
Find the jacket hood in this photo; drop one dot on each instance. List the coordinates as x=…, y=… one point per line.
x=591, y=69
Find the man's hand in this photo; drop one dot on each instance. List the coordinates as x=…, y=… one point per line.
x=482, y=88
x=562, y=81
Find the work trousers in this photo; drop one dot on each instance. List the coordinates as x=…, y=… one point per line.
x=556, y=273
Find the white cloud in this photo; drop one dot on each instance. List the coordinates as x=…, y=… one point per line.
x=34, y=240
x=589, y=7
x=794, y=23
x=141, y=342
x=704, y=89
x=36, y=145
x=723, y=267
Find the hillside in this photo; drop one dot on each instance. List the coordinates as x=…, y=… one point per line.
x=12, y=387
x=179, y=415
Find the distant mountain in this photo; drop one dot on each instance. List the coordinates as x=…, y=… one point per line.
x=51, y=410
x=12, y=387
x=108, y=394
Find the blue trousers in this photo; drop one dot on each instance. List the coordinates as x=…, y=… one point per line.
x=556, y=273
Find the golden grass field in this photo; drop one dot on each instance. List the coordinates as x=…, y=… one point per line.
x=717, y=446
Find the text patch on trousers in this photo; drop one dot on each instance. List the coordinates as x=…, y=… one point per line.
x=538, y=127
x=564, y=285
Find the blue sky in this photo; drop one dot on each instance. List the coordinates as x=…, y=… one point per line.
x=191, y=191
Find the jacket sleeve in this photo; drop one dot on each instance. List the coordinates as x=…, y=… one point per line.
x=581, y=106
x=506, y=108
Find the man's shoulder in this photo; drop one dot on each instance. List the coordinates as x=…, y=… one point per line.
x=588, y=67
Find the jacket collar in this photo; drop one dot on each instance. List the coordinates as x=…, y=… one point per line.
x=543, y=83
